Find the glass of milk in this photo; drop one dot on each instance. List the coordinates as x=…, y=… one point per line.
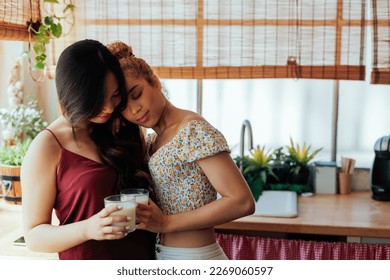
x=141, y=195
x=128, y=204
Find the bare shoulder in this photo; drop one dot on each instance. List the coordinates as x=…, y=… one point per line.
x=45, y=146
x=45, y=141
x=189, y=116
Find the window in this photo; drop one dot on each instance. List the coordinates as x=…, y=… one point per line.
x=226, y=43
x=230, y=44
x=280, y=108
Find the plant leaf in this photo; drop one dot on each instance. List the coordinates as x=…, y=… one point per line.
x=56, y=29
x=51, y=1
x=38, y=48
x=69, y=7
x=39, y=66
x=48, y=20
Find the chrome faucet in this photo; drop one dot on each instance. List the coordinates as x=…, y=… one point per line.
x=245, y=125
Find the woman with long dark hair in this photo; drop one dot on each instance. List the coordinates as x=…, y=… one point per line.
x=72, y=165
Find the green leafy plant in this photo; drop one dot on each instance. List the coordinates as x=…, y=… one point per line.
x=279, y=167
x=279, y=157
x=50, y=28
x=298, y=188
x=22, y=121
x=285, y=168
x=298, y=156
x=14, y=154
x=256, y=169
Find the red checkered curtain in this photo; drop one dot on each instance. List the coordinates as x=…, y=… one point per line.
x=380, y=73
x=240, y=247
x=233, y=39
x=15, y=16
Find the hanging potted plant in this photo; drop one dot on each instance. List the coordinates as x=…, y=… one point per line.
x=56, y=17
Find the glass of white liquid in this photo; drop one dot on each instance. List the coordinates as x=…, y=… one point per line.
x=141, y=195
x=128, y=204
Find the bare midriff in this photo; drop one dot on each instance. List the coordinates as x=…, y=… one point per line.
x=189, y=239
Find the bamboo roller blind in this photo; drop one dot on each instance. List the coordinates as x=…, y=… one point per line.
x=380, y=73
x=14, y=15
x=322, y=39
x=201, y=39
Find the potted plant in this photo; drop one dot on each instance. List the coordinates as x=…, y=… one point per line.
x=21, y=122
x=298, y=159
x=279, y=168
x=257, y=169
x=57, y=17
x=20, y=125
x=11, y=157
x=285, y=168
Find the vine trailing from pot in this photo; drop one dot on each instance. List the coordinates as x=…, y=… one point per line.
x=57, y=15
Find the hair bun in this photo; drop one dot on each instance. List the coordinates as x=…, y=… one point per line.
x=121, y=50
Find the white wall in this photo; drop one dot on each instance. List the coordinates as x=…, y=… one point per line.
x=8, y=51
x=44, y=92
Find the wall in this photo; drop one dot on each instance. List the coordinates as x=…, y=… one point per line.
x=8, y=51
x=44, y=92
x=361, y=180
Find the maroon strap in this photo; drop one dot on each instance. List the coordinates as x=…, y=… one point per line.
x=54, y=137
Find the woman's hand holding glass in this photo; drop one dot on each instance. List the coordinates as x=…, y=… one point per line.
x=100, y=226
x=126, y=206
x=151, y=218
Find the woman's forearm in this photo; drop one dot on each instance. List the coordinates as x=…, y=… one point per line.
x=51, y=239
x=218, y=212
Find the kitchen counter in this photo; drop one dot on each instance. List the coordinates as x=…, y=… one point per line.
x=351, y=215
x=10, y=230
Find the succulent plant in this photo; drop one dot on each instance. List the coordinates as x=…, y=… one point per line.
x=298, y=156
x=256, y=169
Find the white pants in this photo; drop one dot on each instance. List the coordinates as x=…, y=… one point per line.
x=210, y=252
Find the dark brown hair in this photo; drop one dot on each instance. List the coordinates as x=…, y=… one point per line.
x=80, y=81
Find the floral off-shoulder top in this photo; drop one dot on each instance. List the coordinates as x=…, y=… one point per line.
x=180, y=184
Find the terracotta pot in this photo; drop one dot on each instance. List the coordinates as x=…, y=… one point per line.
x=10, y=183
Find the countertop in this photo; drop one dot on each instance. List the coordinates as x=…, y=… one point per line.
x=10, y=230
x=355, y=214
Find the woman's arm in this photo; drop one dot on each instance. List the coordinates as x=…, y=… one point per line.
x=38, y=178
x=236, y=201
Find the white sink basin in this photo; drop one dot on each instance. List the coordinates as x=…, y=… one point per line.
x=277, y=204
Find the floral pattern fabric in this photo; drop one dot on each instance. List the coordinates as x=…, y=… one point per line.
x=180, y=183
